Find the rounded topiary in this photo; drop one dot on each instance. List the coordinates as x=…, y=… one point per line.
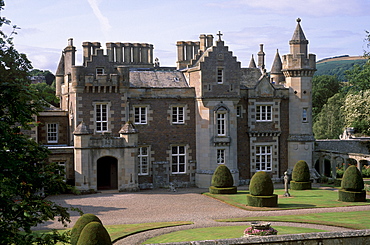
x=222, y=177
x=261, y=191
x=352, y=179
x=94, y=233
x=261, y=184
x=80, y=225
x=352, y=186
x=301, y=172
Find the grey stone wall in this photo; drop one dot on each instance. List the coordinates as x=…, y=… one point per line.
x=356, y=237
x=344, y=146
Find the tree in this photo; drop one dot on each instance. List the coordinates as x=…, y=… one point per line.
x=329, y=123
x=358, y=78
x=323, y=87
x=356, y=111
x=46, y=92
x=25, y=175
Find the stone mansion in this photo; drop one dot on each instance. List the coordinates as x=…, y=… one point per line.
x=126, y=123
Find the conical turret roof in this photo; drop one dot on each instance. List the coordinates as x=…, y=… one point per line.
x=298, y=35
x=252, y=63
x=277, y=66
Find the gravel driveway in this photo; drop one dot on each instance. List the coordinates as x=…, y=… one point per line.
x=161, y=206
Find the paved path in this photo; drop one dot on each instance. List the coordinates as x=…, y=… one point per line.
x=162, y=206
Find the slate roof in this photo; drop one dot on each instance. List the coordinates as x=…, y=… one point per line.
x=158, y=79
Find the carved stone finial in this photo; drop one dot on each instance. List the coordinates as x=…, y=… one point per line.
x=298, y=20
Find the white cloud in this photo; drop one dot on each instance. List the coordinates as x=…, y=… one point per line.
x=104, y=22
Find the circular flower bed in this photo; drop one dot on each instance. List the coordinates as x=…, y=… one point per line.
x=260, y=229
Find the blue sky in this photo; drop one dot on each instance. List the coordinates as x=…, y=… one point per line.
x=333, y=27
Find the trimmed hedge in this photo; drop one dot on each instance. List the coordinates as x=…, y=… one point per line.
x=294, y=185
x=261, y=184
x=301, y=172
x=94, y=233
x=352, y=196
x=262, y=201
x=222, y=177
x=223, y=190
x=352, y=179
x=80, y=225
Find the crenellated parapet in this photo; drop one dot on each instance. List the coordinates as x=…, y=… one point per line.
x=296, y=65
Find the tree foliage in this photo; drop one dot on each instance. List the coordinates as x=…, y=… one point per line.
x=356, y=111
x=323, y=87
x=25, y=175
x=329, y=123
x=358, y=78
x=46, y=92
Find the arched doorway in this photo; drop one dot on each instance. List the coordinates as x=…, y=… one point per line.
x=107, y=176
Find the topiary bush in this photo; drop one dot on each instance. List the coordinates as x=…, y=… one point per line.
x=301, y=172
x=300, y=176
x=222, y=177
x=261, y=191
x=261, y=184
x=80, y=225
x=222, y=181
x=352, y=186
x=94, y=233
x=352, y=179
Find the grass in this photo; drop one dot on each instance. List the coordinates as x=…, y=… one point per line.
x=117, y=232
x=315, y=198
x=220, y=232
x=352, y=220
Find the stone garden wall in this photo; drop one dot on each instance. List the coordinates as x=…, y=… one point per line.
x=355, y=237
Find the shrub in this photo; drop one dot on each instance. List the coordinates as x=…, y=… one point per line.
x=301, y=172
x=80, y=225
x=94, y=233
x=222, y=177
x=352, y=179
x=261, y=184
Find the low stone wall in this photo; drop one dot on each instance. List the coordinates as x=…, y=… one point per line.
x=355, y=237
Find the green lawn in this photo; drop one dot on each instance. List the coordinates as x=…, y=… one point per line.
x=315, y=198
x=222, y=232
x=117, y=232
x=353, y=220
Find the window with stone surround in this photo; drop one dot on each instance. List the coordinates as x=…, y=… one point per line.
x=100, y=71
x=221, y=156
x=178, y=159
x=239, y=110
x=178, y=115
x=264, y=113
x=62, y=170
x=264, y=158
x=101, y=117
x=52, y=132
x=143, y=160
x=220, y=75
x=221, y=118
x=140, y=115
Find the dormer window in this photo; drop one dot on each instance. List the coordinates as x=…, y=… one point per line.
x=100, y=71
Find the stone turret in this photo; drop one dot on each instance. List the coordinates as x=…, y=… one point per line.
x=276, y=74
x=298, y=69
x=252, y=63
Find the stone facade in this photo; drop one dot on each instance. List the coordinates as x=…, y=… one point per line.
x=133, y=124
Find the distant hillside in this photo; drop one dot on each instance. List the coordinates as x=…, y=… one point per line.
x=338, y=65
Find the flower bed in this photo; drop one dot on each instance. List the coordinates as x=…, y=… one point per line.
x=260, y=229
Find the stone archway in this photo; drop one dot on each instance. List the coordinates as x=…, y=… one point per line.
x=107, y=175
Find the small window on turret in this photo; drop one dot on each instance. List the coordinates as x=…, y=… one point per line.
x=304, y=115
x=100, y=71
